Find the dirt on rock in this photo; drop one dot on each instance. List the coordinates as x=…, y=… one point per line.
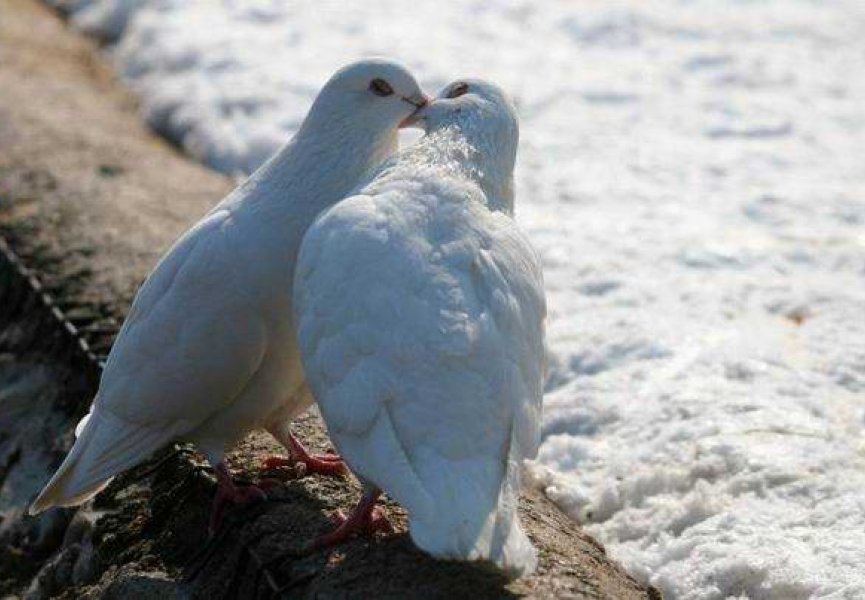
x=89, y=199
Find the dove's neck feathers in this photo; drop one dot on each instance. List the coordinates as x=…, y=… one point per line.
x=467, y=154
x=319, y=166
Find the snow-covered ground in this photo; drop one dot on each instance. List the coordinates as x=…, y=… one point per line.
x=693, y=173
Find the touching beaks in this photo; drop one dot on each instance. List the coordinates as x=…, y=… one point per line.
x=419, y=102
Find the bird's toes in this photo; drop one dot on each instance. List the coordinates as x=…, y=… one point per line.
x=286, y=467
x=338, y=518
x=328, y=465
x=273, y=463
x=379, y=523
x=330, y=455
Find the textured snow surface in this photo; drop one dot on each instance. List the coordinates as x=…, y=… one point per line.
x=694, y=176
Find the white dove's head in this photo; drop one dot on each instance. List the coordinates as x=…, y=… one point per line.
x=485, y=117
x=369, y=95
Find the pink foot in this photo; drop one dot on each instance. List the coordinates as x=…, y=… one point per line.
x=302, y=463
x=228, y=494
x=366, y=519
x=321, y=464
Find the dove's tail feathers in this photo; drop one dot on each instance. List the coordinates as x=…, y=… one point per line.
x=106, y=445
x=476, y=517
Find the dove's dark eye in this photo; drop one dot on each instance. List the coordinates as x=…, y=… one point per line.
x=458, y=90
x=380, y=87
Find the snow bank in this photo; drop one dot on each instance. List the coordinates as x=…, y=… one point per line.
x=692, y=173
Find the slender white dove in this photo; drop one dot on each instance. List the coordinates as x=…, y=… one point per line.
x=420, y=311
x=209, y=350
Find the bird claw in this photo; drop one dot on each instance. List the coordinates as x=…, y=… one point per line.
x=228, y=494
x=329, y=465
x=283, y=465
x=354, y=525
x=379, y=523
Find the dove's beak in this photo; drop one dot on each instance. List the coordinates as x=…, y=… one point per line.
x=419, y=102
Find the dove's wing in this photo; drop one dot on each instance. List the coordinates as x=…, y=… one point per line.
x=190, y=343
x=420, y=318
x=187, y=349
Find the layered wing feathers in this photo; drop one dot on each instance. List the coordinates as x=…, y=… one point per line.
x=420, y=318
x=187, y=349
x=190, y=343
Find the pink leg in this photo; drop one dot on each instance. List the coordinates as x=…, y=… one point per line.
x=303, y=463
x=227, y=494
x=365, y=519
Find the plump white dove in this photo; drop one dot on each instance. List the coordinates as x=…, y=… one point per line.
x=420, y=312
x=209, y=351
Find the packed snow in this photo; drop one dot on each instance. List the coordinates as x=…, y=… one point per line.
x=692, y=173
